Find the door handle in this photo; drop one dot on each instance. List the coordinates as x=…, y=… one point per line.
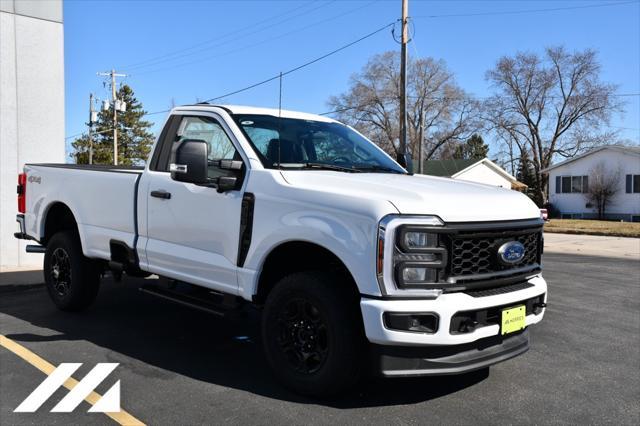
x=161, y=194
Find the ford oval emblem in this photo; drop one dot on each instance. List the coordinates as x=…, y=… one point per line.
x=511, y=252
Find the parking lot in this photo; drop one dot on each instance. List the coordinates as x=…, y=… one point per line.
x=179, y=366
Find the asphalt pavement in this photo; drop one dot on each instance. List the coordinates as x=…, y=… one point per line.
x=180, y=366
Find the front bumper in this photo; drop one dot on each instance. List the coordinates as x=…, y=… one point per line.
x=399, y=361
x=447, y=350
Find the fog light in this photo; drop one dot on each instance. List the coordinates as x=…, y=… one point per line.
x=415, y=322
x=418, y=274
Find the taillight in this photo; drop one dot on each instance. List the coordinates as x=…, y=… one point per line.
x=22, y=192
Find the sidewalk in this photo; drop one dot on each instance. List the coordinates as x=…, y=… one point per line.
x=10, y=278
x=591, y=245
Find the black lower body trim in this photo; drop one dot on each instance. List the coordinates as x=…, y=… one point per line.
x=403, y=361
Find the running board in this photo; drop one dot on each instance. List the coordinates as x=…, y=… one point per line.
x=207, y=301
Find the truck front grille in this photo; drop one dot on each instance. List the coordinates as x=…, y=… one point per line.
x=472, y=255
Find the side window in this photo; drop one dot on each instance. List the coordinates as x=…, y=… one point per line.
x=206, y=129
x=210, y=131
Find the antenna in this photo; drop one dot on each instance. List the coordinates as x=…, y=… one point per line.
x=280, y=121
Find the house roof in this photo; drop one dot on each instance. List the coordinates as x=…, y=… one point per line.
x=633, y=150
x=455, y=168
x=446, y=168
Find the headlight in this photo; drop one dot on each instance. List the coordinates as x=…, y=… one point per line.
x=410, y=255
x=416, y=240
x=418, y=258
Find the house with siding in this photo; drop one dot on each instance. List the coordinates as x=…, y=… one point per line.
x=480, y=171
x=569, y=183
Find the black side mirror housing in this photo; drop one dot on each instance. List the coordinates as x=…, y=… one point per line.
x=406, y=161
x=189, y=161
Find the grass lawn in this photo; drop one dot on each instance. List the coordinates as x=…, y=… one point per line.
x=593, y=227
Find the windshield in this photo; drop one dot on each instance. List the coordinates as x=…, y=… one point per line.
x=313, y=145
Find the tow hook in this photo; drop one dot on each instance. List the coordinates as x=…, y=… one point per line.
x=538, y=307
x=468, y=325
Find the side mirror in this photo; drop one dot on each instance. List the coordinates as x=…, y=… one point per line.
x=189, y=161
x=406, y=161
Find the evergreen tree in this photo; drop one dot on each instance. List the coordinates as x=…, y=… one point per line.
x=526, y=174
x=134, y=137
x=473, y=149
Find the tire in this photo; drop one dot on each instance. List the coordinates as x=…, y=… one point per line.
x=72, y=279
x=312, y=334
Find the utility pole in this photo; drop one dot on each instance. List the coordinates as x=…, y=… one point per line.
x=402, y=156
x=113, y=76
x=90, y=128
x=420, y=145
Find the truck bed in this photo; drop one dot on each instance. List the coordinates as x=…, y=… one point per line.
x=109, y=214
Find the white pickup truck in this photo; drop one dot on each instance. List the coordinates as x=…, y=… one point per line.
x=354, y=262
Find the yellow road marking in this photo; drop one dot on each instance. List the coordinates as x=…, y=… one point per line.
x=47, y=368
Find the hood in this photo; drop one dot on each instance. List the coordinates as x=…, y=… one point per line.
x=450, y=199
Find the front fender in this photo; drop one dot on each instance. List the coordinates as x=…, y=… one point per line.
x=344, y=225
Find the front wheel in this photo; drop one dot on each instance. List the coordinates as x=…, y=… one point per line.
x=72, y=279
x=312, y=333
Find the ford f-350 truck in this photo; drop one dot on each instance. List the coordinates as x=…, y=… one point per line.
x=354, y=262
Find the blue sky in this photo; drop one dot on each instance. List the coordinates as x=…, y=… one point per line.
x=238, y=43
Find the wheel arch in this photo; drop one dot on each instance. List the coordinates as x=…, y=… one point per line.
x=58, y=217
x=297, y=256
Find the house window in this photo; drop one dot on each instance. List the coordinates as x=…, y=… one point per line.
x=632, y=184
x=572, y=184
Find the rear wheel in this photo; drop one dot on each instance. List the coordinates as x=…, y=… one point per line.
x=72, y=279
x=312, y=333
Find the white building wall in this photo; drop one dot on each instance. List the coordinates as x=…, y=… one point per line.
x=622, y=204
x=31, y=106
x=481, y=173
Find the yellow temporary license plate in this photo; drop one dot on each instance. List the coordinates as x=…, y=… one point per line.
x=513, y=319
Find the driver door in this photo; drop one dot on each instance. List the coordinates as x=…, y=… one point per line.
x=193, y=230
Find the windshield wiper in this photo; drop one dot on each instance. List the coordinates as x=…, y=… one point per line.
x=376, y=168
x=317, y=166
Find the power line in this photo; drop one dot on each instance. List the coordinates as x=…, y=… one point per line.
x=306, y=64
x=292, y=70
x=172, y=55
x=252, y=45
x=519, y=12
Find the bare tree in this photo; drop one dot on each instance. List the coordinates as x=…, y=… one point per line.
x=550, y=106
x=603, y=186
x=435, y=101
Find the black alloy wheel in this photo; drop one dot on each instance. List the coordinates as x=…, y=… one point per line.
x=303, y=336
x=71, y=278
x=312, y=333
x=60, y=271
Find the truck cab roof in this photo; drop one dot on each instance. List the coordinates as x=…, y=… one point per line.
x=251, y=110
